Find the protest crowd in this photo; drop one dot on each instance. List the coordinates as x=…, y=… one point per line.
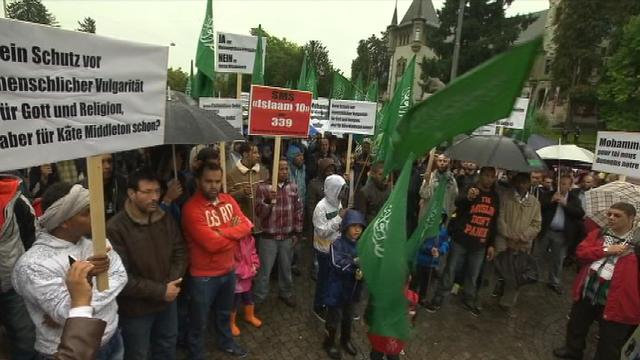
x=210, y=254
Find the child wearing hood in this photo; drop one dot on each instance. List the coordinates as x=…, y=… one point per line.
x=343, y=285
x=327, y=217
x=428, y=260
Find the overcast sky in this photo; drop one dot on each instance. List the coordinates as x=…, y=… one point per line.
x=338, y=24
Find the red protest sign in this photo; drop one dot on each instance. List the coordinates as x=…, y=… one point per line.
x=279, y=112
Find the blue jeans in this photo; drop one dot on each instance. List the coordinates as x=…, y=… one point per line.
x=458, y=255
x=216, y=291
x=20, y=329
x=151, y=336
x=324, y=261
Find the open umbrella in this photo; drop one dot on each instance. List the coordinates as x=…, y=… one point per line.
x=600, y=199
x=537, y=142
x=186, y=123
x=496, y=151
x=569, y=152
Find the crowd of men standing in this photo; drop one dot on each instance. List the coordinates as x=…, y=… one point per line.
x=181, y=248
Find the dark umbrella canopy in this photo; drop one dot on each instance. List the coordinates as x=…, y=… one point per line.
x=497, y=151
x=537, y=142
x=186, y=123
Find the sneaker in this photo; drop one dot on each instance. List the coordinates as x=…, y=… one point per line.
x=290, y=301
x=433, y=306
x=356, y=317
x=475, y=310
x=320, y=313
x=236, y=350
x=455, y=289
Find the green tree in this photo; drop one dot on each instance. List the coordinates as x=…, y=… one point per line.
x=87, y=25
x=282, y=61
x=583, y=26
x=318, y=56
x=486, y=32
x=619, y=90
x=32, y=11
x=177, y=79
x=372, y=60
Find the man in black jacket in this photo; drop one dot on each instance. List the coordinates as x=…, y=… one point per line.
x=562, y=226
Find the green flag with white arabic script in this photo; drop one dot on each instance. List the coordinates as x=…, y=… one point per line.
x=205, y=57
x=342, y=88
x=358, y=89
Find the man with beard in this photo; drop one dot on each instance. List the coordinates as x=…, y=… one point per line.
x=371, y=198
x=212, y=224
x=149, y=318
x=431, y=183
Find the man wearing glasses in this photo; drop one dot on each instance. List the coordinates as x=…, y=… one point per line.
x=150, y=244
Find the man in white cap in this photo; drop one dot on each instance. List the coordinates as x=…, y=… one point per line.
x=39, y=275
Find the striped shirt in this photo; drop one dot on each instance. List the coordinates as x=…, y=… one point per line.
x=283, y=218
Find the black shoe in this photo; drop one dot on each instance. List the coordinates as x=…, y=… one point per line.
x=499, y=289
x=556, y=289
x=289, y=301
x=320, y=313
x=423, y=302
x=329, y=346
x=236, y=350
x=565, y=353
x=295, y=271
x=356, y=317
x=349, y=347
x=473, y=309
x=433, y=306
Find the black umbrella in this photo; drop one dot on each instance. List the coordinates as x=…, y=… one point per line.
x=497, y=151
x=186, y=123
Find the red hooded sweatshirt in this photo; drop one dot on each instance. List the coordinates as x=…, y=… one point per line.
x=210, y=235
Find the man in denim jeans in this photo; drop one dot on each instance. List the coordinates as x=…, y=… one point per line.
x=213, y=224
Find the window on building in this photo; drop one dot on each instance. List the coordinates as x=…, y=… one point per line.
x=401, y=65
x=548, y=63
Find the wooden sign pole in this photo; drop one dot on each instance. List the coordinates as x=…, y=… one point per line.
x=276, y=162
x=223, y=165
x=98, y=228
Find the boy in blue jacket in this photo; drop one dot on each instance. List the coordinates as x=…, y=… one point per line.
x=344, y=285
x=428, y=260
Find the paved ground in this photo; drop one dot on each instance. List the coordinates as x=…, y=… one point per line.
x=451, y=333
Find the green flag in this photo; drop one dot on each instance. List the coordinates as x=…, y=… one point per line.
x=382, y=254
x=302, y=79
x=205, y=57
x=399, y=105
x=257, y=76
x=477, y=98
x=342, y=88
x=379, y=129
x=189, y=88
x=288, y=84
x=358, y=89
x=372, y=92
x=312, y=82
x=429, y=225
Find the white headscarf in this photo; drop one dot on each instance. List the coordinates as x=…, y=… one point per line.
x=65, y=208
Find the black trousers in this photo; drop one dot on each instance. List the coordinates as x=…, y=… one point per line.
x=343, y=316
x=613, y=335
x=420, y=280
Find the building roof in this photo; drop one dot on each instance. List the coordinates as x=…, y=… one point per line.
x=535, y=29
x=394, y=19
x=421, y=9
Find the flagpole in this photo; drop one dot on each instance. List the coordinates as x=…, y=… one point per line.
x=348, y=168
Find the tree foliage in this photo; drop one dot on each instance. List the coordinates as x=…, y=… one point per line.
x=32, y=11
x=87, y=25
x=318, y=57
x=177, y=79
x=282, y=61
x=372, y=60
x=486, y=32
x=619, y=90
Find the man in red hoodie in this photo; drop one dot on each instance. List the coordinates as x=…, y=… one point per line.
x=212, y=223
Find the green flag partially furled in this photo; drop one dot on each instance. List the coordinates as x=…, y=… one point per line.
x=205, y=57
x=257, y=77
x=429, y=224
x=312, y=82
x=190, y=82
x=383, y=260
x=302, y=79
x=378, y=131
x=479, y=97
x=341, y=89
x=372, y=91
x=358, y=89
x=399, y=105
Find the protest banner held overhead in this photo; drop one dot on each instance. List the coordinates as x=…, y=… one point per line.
x=228, y=109
x=279, y=112
x=236, y=53
x=354, y=117
x=618, y=153
x=68, y=94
